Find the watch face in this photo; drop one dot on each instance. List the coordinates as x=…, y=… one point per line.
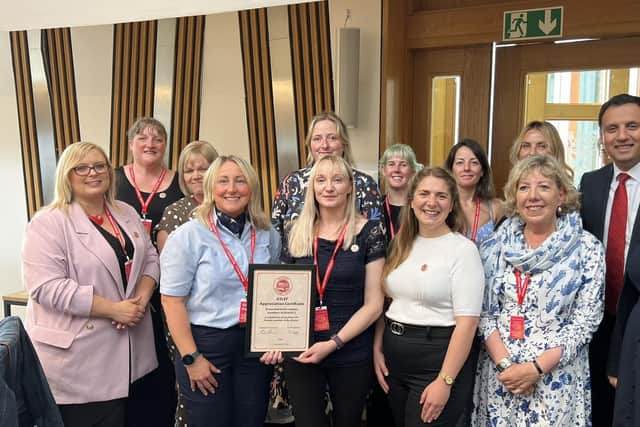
x=187, y=359
x=448, y=380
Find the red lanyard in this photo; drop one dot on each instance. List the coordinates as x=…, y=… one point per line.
x=521, y=288
x=232, y=260
x=325, y=280
x=393, y=228
x=116, y=231
x=145, y=203
x=476, y=219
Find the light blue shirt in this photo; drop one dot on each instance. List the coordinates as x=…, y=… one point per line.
x=194, y=265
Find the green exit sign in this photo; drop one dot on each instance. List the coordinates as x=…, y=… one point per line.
x=533, y=23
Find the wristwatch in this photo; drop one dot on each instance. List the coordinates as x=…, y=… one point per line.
x=504, y=364
x=188, y=359
x=446, y=378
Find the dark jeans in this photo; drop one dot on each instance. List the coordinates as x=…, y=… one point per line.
x=243, y=385
x=348, y=388
x=414, y=361
x=109, y=413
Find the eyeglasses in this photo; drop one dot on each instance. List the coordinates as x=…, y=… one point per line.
x=84, y=170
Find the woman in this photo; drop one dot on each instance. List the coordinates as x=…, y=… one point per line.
x=469, y=165
x=204, y=267
x=148, y=186
x=327, y=135
x=543, y=302
x=90, y=269
x=348, y=251
x=539, y=138
x=397, y=166
x=434, y=276
x=193, y=163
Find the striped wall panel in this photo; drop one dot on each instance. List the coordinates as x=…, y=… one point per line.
x=254, y=37
x=58, y=67
x=27, y=119
x=311, y=62
x=134, y=52
x=185, y=120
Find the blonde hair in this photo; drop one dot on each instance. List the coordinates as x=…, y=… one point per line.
x=548, y=167
x=302, y=230
x=402, y=243
x=254, y=209
x=198, y=148
x=70, y=158
x=341, y=132
x=550, y=134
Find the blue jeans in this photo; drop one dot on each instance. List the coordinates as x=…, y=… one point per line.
x=243, y=385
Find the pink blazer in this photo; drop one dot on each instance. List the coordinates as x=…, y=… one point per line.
x=66, y=261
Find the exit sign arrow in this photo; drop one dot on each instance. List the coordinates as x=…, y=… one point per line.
x=547, y=25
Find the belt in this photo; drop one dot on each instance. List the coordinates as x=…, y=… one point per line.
x=398, y=328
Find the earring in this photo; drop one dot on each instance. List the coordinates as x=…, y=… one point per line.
x=559, y=210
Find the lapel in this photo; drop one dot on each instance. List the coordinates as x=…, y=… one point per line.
x=601, y=188
x=95, y=243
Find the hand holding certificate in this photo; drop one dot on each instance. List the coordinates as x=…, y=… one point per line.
x=280, y=305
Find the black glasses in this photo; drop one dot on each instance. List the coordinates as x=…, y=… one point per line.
x=84, y=170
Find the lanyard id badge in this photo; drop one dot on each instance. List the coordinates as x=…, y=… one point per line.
x=321, y=313
x=516, y=323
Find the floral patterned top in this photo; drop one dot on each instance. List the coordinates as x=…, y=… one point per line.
x=563, y=307
x=290, y=198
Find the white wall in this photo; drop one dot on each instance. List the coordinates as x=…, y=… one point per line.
x=93, y=74
x=223, y=114
x=366, y=15
x=14, y=211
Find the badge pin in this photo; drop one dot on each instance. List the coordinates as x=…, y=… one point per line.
x=135, y=234
x=355, y=248
x=423, y=267
x=162, y=195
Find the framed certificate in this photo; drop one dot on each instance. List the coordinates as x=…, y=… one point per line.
x=280, y=305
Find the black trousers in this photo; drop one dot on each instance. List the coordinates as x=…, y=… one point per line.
x=414, y=361
x=602, y=393
x=109, y=413
x=348, y=389
x=242, y=394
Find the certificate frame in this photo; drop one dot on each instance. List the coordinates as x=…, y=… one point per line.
x=280, y=304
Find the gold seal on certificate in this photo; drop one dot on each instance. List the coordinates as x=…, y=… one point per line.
x=280, y=303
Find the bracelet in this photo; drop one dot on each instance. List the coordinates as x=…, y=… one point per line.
x=538, y=368
x=336, y=339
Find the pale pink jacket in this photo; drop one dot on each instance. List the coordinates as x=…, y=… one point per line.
x=66, y=261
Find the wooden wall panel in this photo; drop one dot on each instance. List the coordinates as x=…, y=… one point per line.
x=311, y=62
x=27, y=121
x=58, y=67
x=134, y=59
x=185, y=122
x=254, y=37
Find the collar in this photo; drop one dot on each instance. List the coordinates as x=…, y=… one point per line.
x=634, y=172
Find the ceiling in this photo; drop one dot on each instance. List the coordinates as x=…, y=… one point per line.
x=34, y=14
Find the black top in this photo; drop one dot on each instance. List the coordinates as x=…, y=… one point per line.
x=127, y=193
x=117, y=248
x=344, y=294
x=395, y=217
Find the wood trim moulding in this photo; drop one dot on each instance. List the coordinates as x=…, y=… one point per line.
x=27, y=121
x=134, y=59
x=59, y=71
x=483, y=23
x=254, y=39
x=310, y=36
x=185, y=116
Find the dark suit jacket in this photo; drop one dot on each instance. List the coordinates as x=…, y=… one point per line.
x=594, y=187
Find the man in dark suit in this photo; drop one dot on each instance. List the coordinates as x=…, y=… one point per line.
x=610, y=213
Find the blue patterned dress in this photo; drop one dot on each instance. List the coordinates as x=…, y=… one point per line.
x=563, y=307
